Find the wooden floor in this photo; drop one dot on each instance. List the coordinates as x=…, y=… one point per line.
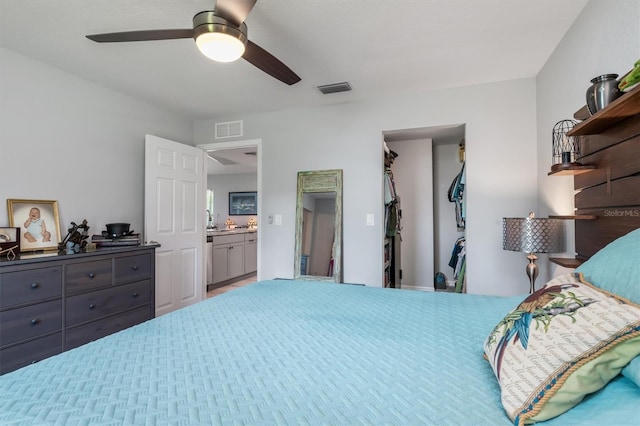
x=232, y=286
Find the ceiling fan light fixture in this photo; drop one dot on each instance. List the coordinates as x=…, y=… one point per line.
x=217, y=38
x=220, y=47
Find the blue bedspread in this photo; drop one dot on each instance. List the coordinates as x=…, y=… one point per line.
x=296, y=353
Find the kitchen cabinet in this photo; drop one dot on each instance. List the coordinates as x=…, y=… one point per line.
x=250, y=252
x=234, y=255
x=228, y=257
x=209, y=259
x=53, y=303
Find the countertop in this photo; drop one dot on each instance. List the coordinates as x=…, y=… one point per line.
x=216, y=232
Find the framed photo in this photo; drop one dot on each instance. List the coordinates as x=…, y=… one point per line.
x=9, y=242
x=38, y=221
x=243, y=203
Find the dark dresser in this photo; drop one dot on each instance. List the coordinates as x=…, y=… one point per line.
x=50, y=303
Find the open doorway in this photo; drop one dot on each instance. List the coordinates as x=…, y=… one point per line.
x=428, y=161
x=233, y=240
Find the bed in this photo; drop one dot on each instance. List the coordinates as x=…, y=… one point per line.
x=297, y=352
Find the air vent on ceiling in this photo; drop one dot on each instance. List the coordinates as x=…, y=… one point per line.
x=228, y=129
x=334, y=88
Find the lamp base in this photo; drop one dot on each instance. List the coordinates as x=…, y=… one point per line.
x=532, y=271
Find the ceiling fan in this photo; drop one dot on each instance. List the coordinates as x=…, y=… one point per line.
x=220, y=34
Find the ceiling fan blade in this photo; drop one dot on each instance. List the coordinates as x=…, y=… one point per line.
x=144, y=35
x=268, y=63
x=234, y=11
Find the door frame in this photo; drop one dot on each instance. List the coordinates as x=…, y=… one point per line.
x=248, y=143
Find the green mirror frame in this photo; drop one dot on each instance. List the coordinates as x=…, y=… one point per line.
x=321, y=184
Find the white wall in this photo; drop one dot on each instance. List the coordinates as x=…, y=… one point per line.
x=604, y=39
x=66, y=139
x=412, y=172
x=85, y=147
x=221, y=186
x=501, y=150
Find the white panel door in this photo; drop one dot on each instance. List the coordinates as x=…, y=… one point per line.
x=175, y=185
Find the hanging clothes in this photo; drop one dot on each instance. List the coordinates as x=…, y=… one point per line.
x=455, y=194
x=392, y=205
x=458, y=257
x=389, y=187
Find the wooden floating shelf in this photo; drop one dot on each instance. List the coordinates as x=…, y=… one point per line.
x=622, y=108
x=572, y=170
x=566, y=262
x=575, y=217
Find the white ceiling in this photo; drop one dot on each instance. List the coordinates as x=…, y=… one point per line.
x=232, y=161
x=379, y=46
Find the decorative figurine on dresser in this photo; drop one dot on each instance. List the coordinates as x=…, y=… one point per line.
x=75, y=240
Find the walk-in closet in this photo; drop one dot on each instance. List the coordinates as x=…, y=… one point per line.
x=427, y=209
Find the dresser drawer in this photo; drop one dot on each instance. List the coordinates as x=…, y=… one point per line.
x=87, y=275
x=86, y=333
x=30, y=321
x=30, y=285
x=30, y=352
x=97, y=304
x=132, y=268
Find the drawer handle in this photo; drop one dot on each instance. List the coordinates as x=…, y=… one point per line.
x=230, y=247
x=91, y=275
x=135, y=294
x=92, y=307
x=35, y=321
x=135, y=267
x=35, y=285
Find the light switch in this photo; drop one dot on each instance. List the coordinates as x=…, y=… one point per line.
x=278, y=219
x=369, y=219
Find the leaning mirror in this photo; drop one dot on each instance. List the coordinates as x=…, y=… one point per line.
x=318, y=251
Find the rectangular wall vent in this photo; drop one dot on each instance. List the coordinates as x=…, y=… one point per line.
x=229, y=129
x=334, y=88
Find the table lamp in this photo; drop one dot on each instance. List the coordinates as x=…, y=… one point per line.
x=532, y=235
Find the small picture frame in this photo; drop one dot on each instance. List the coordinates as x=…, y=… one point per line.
x=9, y=242
x=243, y=203
x=39, y=223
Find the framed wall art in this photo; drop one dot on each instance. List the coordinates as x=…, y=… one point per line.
x=243, y=203
x=38, y=221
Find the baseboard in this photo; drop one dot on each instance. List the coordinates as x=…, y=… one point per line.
x=415, y=287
